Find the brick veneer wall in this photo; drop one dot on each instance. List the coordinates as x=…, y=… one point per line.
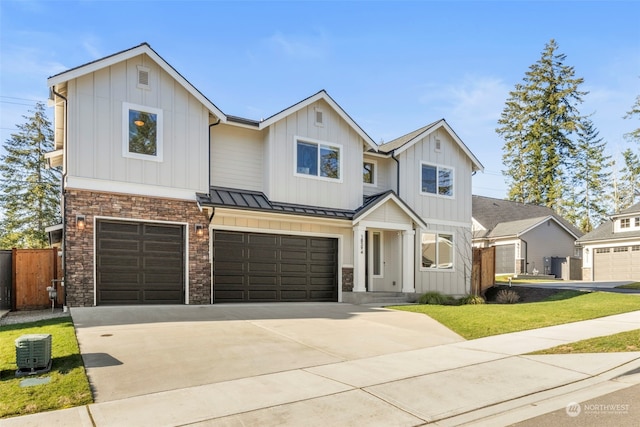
x=79, y=244
x=347, y=279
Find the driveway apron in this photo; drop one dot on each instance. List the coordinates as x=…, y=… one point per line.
x=136, y=350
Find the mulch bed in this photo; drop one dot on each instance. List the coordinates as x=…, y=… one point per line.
x=526, y=294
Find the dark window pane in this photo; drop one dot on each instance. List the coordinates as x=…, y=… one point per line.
x=142, y=132
x=429, y=183
x=367, y=173
x=307, y=158
x=330, y=162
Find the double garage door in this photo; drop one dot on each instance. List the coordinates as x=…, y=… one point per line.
x=144, y=263
x=139, y=263
x=617, y=263
x=257, y=267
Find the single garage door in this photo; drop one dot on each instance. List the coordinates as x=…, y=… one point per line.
x=505, y=259
x=256, y=267
x=139, y=263
x=618, y=263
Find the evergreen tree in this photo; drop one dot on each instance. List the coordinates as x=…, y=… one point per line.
x=634, y=112
x=591, y=177
x=537, y=123
x=629, y=182
x=30, y=197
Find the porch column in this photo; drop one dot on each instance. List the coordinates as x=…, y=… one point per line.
x=359, y=263
x=408, y=261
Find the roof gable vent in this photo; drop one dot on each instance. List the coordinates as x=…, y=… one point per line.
x=143, y=77
x=319, y=117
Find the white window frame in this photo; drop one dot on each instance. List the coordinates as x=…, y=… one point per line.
x=453, y=251
x=437, y=193
x=126, y=107
x=375, y=173
x=319, y=143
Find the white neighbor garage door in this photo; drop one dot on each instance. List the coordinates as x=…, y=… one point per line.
x=618, y=263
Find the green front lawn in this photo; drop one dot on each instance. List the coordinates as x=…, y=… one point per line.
x=68, y=384
x=622, y=342
x=635, y=285
x=477, y=321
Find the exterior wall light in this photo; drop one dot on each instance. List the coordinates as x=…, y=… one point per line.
x=81, y=222
x=199, y=230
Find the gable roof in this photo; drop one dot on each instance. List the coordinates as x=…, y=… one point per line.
x=507, y=218
x=143, y=48
x=630, y=210
x=404, y=142
x=322, y=94
x=372, y=202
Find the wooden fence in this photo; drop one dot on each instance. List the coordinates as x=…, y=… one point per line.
x=483, y=271
x=33, y=270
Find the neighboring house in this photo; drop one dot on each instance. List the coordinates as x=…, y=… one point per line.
x=168, y=200
x=612, y=250
x=527, y=237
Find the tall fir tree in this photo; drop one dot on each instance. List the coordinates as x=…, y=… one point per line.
x=634, y=135
x=537, y=124
x=591, y=177
x=30, y=191
x=628, y=185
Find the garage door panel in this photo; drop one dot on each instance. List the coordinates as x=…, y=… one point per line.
x=617, y=263
x=230, y=253
x=288, y=260
x=139, y=263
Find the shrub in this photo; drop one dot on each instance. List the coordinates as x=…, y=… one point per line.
x=434, y=298
x=471, y=299
x=507, y=296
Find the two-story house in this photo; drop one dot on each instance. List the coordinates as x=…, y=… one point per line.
x=612, y=250
x=168, y=200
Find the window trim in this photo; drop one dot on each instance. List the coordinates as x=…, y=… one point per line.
x=453, y=251
x=126, y=108
x=437, y=193
x=625, y=223
x=374, y=175
x=319, y=143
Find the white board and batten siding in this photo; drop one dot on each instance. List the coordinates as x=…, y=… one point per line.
x=96, y=131
x=456, y=208
x=281, y=181
x=385, y=175
x=237, y=157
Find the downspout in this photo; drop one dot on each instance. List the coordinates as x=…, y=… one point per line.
x=397, y=173
x=209, y=160
x=62, y=198
x=213, y=211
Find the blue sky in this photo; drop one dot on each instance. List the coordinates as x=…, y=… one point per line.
x=394, y=66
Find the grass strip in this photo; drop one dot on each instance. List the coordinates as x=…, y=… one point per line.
x=477, y=321
x=635, y=285
x=68, y=386
x=622, y=342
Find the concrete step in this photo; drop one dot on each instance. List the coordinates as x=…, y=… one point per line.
x=387, y=298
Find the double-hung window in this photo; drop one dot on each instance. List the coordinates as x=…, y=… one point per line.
x=318, y=159
x=437, y=180
x=437, y=251
x=142, y=132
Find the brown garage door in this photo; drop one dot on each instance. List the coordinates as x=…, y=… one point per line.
x=256, y=267
x=139, y=263
x=618, y=263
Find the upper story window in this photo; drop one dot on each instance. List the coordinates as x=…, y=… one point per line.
x=318, y=159
x=369, y=172
x=142, y=132
x=437, y=180
x=637, y=220
x=625, y=223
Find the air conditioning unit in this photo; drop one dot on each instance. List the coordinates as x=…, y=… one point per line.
x=33, y=354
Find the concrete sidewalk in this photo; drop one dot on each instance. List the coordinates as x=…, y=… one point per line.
x=487, y=381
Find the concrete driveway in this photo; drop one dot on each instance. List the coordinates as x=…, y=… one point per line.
x=133, y=351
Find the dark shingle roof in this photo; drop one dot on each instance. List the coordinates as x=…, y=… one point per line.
x=605, y=230
x=506, y=218
x=631, y=209
x=257, y=201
